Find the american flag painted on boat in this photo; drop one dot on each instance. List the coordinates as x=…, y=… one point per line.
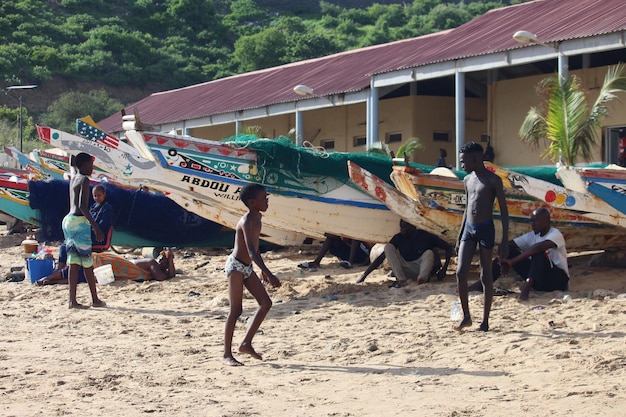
x=90, y=132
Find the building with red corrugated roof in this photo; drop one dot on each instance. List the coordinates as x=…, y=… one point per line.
x=474, y=82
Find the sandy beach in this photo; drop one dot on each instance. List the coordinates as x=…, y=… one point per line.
x=331, y=347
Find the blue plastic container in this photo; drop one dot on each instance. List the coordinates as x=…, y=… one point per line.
x=38, y=268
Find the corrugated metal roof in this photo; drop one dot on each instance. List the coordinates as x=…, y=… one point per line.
x=550, y=20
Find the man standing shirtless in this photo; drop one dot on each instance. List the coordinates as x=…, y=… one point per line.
x=482, y=188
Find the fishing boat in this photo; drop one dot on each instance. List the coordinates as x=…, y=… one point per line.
x=136, y=223
x=31, y=169
x=585, y=203
x=47, y=165
x=608, y=184
x=14, y=195
x=125, y=166
x=210, y=175
x=438, y=202
x=310, y=189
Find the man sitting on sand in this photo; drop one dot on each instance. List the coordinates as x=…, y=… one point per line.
x=539, y=256
x=411, y=254
x=349, y=251
x=146, y=269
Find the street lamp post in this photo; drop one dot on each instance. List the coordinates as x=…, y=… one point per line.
x=21, y=87
x=301, y=90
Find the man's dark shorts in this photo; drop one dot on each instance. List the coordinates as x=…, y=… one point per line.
x=483, y=233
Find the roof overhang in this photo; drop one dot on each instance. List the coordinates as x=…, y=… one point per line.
x=513, y=57
x=304, y=104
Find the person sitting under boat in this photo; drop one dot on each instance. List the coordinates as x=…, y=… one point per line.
x=351, y=252
x=412, y=255
x=145, y=269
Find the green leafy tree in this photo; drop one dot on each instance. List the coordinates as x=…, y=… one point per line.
x=302, y=46
x=10, y=130
x=192, y=17
x=564, y=119
x=62, y=114
x=246, y=18
x=331, y=9
x=264, y=50
x=447, y=16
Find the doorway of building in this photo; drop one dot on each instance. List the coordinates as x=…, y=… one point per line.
x=611, y=144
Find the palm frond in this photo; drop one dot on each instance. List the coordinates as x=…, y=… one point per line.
x=380, y=148
x=410, y=146
x=564, y=118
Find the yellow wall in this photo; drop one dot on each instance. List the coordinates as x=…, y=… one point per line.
x=512, y=99
x=217, y=132
x=413, y=117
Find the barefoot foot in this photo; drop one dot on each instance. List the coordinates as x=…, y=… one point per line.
x=249, y=350
x=78, y=306
x=484, y=327
x=466, y=322
x=98, y=303
x=525, y=290
x=231, y=362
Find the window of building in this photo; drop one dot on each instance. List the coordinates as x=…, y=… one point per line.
x=393, y=137
x=484, y=137
x=359, y=141
x=611, y=144
x=441, y=136
x=328, y=143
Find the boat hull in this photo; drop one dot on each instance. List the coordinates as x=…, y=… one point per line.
x=585, y=204
x=441, y=201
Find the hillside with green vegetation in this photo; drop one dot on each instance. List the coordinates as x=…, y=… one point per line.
x=112, y=52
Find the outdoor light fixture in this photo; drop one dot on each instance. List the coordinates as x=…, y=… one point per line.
x=303, y=90
x=21, y=87
x=524, y=36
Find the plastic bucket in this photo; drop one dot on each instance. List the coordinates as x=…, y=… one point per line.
x=104, y=274
x=38, y=268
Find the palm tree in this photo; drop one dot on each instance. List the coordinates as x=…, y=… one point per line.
x=404, y=151
x=564, y=118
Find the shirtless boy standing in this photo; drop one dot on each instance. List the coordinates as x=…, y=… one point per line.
x=482, y=187
x=77, y=225
x=240, y=273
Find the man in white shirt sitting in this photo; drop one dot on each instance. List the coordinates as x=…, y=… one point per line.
x=539, y=257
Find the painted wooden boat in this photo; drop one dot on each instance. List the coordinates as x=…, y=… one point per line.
x=48, y=165
x=175, y=227
x=576, y=178
x=14, y=195
x=616, y=197
x=312, y=204
x=440, y=200
x=586, y=203
x=401, y=204
x=125, y=165
x=608, y=184
x=33, y=169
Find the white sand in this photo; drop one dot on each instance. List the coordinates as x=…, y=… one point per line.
x=374, y=351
